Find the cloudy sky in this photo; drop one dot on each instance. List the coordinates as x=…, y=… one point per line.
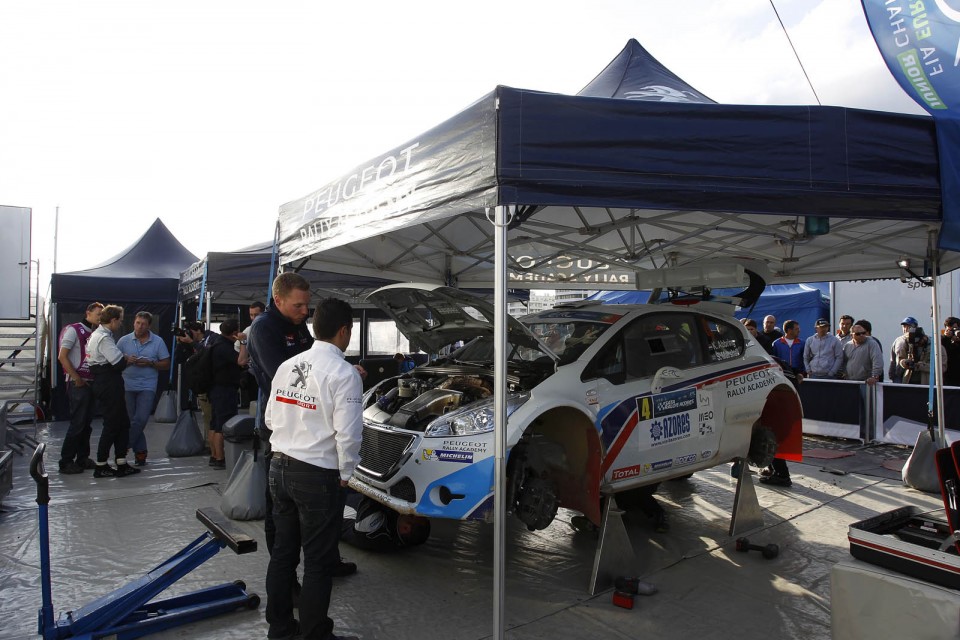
x=211, y=114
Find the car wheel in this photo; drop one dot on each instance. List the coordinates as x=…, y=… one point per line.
x=763, y=446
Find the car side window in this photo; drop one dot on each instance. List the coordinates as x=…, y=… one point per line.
x=609, y=363
x=722, y=340
x=661, y=340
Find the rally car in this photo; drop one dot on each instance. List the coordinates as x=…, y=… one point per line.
x=603, y=399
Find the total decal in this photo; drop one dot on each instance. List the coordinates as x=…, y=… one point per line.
x=667, y=417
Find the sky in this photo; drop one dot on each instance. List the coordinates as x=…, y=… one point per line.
x=211, y=114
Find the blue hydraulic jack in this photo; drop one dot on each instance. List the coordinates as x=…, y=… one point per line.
x=128, y=612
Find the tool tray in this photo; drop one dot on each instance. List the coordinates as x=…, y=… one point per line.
x=914, y=541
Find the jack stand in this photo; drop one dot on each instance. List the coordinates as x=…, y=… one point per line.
x=613, y=549
x=130, y=611
x=746, y=514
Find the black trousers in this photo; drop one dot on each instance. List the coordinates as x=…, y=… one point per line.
x=109, y=392
x=76, y=444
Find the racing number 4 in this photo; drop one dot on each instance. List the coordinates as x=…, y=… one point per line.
x=645, y=409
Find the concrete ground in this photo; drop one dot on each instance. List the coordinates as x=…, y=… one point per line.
x=105, y=533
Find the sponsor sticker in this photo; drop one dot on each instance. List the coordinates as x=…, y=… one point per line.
x=626, y=472
x=444, y=455
x=593, y=397
x=662, y=464
x=669, y=429
x=681, y=461
x=705, y=455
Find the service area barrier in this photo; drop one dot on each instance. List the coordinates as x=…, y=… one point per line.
x=884, y=412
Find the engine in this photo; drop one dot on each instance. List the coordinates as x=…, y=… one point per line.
x=412, y=402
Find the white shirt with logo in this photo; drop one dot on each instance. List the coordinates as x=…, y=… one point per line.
x=315, y=411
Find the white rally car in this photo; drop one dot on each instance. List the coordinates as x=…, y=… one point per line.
x=602, y=399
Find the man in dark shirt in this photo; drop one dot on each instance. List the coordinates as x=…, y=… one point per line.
x=224, y=391
x=276, y=335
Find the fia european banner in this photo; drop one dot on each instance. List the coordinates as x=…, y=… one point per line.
x=919, y=42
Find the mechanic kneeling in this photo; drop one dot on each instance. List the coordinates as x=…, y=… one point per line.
x=369, y=525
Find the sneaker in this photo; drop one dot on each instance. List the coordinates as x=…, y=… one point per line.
x=104, y=471
x=766, y=472
x=777, y=481
x=212, y=462
x=89, y=463
x=140, y=458
x=70, y=468
x=219, y=464
x=581, y=524
x=126, y=470
x=344, y=569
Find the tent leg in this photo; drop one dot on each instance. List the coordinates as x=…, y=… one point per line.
x=613, y=549
x=746, y=508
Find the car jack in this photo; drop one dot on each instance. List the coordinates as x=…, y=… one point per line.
x=128, y=612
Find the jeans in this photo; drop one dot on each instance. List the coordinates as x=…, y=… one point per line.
x=139, y=408
x=307, y=513
x=76, y=444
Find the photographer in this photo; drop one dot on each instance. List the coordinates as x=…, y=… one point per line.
x=951, y=344
x=916, y=359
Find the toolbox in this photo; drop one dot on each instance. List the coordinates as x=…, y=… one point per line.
x=919, y=543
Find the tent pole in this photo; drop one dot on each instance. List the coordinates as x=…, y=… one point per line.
x=209, y=303
x=936, y=367
x=500, y=415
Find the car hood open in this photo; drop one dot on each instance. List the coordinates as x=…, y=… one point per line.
x=433, y=316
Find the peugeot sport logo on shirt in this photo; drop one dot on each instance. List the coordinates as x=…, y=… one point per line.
x=301, y=370
x=295, y=397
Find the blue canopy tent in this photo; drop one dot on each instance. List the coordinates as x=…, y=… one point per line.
x=524, y=188
x=648, y=176
x=142, y=277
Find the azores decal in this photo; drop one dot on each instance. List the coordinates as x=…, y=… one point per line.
x=666, y=417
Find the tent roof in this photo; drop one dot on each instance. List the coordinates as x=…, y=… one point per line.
x=146, y=271
x=606, y=187
x=636, y=75
x=243, y=276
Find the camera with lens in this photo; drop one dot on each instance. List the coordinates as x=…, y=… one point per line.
x=179, y=332
x=916, y=337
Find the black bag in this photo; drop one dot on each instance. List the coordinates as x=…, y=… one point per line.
x=198, y=370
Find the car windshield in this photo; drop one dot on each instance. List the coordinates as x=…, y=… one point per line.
x=568, y=338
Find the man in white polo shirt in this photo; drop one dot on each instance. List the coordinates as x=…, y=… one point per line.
x=314, y=414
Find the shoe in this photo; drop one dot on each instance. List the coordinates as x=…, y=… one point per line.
x=344, y=569
x=777, y=481
x=333, y=637
x=581, y=524
x=212, y=462
x=766, y=472
x=104, y=471
x=219, y=464
x=660, y=523
x=70, y=468
x=735, y=469
x=140, y=458
x=126, y=470
x=289, y=636
x=89, y=463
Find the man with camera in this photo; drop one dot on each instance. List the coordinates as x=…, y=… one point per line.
x=912, y=351
x=951, y=344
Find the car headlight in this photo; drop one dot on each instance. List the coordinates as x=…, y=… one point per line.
x=478, y=418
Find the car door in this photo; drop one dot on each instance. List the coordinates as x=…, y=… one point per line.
x=653, y=418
